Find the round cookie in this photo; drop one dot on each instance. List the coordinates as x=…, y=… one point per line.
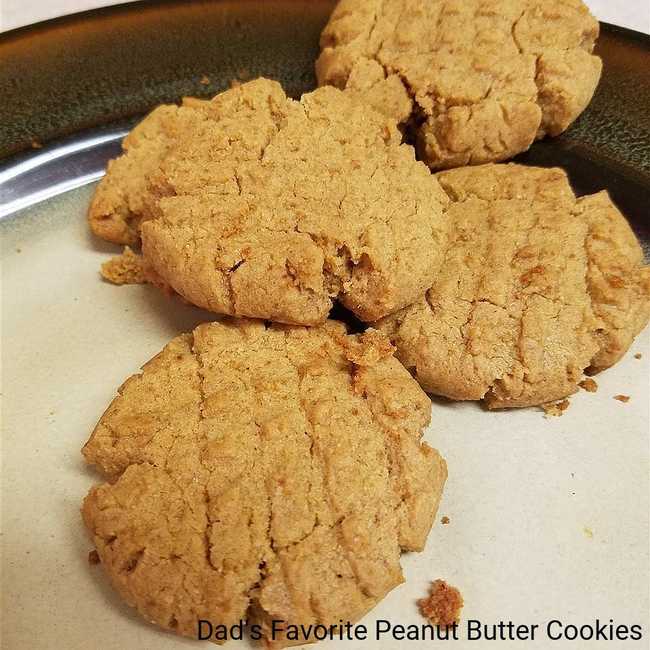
x=263, y=206
x=536, y=287
x=476, y=80
x=262, y=472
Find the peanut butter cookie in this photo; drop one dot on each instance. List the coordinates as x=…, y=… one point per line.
x=476, y=80
x=271, y=208
x=536, y=287
x=263, y=473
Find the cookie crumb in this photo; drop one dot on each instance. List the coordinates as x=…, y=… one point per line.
x=589, y=385
x=638, y=355
x=443, y=604
x=93, y=557
x=126, y=268
x=556, y=409
x=622, y=398
x=445, y=520
x=588, y=532
x=205, y=80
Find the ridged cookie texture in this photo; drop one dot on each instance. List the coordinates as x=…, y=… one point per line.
x=476, y=80
x=536, y=287
x=263, y=206
x=263, y=472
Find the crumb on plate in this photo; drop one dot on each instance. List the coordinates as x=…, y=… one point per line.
x=622, y=398
x=589, y=385
x=126, y=268
x=443, y=604
x=445, y=520
x=556, y=409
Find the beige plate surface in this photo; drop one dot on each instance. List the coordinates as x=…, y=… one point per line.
x=549, y=517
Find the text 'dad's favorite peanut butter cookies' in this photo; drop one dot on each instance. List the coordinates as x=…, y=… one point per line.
x=535, y=288
x=475, y=81
x=263, y=473
x=262, y=206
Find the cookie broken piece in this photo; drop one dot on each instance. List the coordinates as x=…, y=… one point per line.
x=258, y=472
x=127, y=268
x=483, y=79
x=443, y=604
x=536, y=287
x=589, y=385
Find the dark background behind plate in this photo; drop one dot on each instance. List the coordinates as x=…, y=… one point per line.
x=112, y=64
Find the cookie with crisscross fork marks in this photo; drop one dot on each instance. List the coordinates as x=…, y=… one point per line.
x=536, y=287
x=475, y=81
x=266, y=472
x=258, y=205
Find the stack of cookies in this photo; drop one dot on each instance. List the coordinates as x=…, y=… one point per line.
x=269, y=466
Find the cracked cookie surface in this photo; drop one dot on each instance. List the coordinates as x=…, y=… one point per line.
x=121, y=200
x=536, y=287
x=477, y=80
x=271, y=208
x=264, y=473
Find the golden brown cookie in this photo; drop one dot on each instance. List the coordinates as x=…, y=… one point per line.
x=536, y=287
x=262, y=472
x=271, y=208
x=477, y=80
x=266, y=207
